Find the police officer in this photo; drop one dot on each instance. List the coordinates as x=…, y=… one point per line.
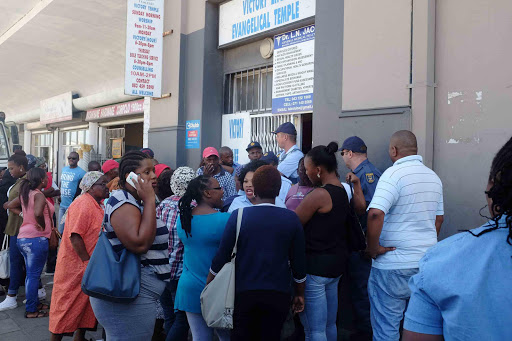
x=354, y=154
x=254, y=151
x=286, y=137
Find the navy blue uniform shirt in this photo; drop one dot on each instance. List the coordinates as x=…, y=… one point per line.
x=369, y=176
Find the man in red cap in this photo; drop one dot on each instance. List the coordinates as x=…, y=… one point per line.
x=111, y=170
x=212, y=167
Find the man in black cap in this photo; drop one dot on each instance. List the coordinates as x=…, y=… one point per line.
x=254, y=150
x=286, y=137
x=354, y=154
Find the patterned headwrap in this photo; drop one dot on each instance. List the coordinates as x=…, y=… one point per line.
x=88, y=180
x=180, y=179
x=40, y=161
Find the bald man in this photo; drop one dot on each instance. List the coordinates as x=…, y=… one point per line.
x=404, y=220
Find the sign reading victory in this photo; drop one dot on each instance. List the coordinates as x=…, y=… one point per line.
x=294, y=61
x=144, y=30
x=241, y=19
x=238, y=136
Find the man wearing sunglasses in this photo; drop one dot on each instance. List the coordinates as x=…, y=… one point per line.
x=69, y=180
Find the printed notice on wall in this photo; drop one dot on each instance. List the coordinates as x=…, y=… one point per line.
x=144, y=30
x=193, y=136
x=294, y=60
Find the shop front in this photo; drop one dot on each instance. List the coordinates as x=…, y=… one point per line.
x=119, y=127
x=268, y=73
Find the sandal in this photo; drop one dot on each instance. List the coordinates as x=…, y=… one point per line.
x=39, y=313
x=43, y=306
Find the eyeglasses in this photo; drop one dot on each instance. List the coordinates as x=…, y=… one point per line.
x=72, y=158
x=216, y=188
x=344, y=152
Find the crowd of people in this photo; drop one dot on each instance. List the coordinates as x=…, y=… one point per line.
x=294, y=245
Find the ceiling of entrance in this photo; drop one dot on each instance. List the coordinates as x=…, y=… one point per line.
x=69, y=45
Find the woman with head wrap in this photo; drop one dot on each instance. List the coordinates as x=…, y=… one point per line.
x=168, y=212
x=70, y=308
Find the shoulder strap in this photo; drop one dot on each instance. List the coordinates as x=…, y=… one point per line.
x=238, y=224
x=5, y=243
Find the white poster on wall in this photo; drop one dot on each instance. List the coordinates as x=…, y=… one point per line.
x=240, y=19
x=144, y=40
x=236, y=134
x=294, y=62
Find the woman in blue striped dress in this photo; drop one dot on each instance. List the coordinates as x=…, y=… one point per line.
x=130, y=222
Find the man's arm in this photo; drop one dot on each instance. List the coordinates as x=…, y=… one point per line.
x=439, y=222
x=413, y=336
x=375, y=223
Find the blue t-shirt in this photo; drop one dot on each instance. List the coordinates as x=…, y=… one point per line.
x=200, y=248
x=69, y=180
x=462, y=290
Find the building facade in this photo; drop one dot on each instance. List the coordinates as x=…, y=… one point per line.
x=438, y=68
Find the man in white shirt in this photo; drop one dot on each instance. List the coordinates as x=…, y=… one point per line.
x=404, y=219
x=286, y=137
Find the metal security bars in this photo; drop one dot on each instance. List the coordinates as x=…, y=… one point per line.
x=262, y=127
x=249, y=91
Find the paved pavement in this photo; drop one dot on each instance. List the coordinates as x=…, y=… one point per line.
x=15, y=327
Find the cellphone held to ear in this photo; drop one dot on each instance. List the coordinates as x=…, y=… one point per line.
x=132, y=177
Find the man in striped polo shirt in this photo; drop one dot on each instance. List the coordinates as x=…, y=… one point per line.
x=404, y=220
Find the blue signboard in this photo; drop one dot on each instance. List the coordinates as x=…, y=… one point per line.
x=293, y=75
x=193, y=131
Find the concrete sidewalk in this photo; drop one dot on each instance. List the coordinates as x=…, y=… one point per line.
x=15, y=327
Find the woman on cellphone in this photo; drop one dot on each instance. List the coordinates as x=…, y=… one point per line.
x=130, y=222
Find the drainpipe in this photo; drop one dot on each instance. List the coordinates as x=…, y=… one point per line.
x=423, y=76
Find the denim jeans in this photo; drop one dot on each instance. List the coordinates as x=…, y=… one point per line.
x=319, y=315
x=175, y=325
x=201, y=331
x=389, y=294
x=35, y=251
x=62, y=210
x=16, y=270
x=359, y=272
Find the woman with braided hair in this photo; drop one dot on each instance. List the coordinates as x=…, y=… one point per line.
x=200, y=228
x=462, y=290
x=131, y=223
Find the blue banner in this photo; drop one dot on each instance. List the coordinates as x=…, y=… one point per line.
x=193, y=134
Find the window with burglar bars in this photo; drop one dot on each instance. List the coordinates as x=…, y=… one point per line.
x=249, y=91
x=263, y=126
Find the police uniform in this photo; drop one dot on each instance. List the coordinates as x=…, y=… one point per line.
x=355, y=291
x=369, y=176
x=289, y=161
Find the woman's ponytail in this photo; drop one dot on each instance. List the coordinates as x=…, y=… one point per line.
x=194, y=192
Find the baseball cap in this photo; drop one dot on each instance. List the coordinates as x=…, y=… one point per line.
x=209, y=151
x=148, y=151
x=287, y=128
x=354, y=144
x=269, y=158
x=160, y=168
x=109, y=165
x=253, y=145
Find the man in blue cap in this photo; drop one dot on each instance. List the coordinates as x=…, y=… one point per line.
x=286, y=137
x=254, y=151
x=354, y=154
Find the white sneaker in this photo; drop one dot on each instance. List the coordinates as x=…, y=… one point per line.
x=41, y=294
x=9, y=303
